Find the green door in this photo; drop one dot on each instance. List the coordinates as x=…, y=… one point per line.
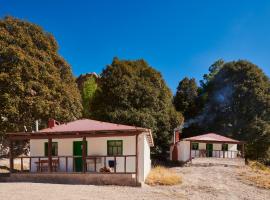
x=209, y=150
x=77, y=151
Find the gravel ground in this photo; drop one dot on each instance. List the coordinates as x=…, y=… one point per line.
x=199, y=182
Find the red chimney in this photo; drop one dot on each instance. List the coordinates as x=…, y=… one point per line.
x=52, y=123
x=176, y=136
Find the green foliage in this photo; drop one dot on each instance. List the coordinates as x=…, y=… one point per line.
x=244, y=109
x=88, y=86
x=185, y=97
x=237, y=105
x=135, y=94
x=213, y=70
x=88, y=92
x=35, y=82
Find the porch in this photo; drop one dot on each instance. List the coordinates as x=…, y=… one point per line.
x=214, y=145
x=122, y=164
x=100, y=165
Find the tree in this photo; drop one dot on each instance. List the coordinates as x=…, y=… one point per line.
x=133, y=93
x=185, y=97
x=35, y=82
x=213, y=70
x=88, y=86
x=239, y=106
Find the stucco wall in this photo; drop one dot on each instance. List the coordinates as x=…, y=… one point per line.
x=183, y=150
x=217, y=147
x=98, y=146
x=144, y=158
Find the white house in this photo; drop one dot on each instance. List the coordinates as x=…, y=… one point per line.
x=115, y=153
x=207, y=145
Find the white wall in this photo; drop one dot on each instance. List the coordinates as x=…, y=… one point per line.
x=183, y=150
x=144, y=157
x=98, y=147
x=217, y=147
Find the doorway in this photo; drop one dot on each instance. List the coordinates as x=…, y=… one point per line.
x=209, y=150
x=77, y=151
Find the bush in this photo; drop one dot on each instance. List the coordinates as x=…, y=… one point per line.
x=163, y=176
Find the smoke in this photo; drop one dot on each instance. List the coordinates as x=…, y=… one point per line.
x=223, y=97
x=219, y=100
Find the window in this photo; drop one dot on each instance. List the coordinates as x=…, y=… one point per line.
x=54, y=148
x=195, y=146
x=114, y=147
x=224, y=147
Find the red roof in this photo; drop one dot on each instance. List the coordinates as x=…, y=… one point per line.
x=84, y=125
x=89, y=125
x=211, y=137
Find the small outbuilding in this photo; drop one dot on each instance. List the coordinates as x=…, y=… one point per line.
x=206, y=145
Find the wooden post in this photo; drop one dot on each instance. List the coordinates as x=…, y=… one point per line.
x=39, y=165
x=50, y=154
x=96, y=164
x=66, y=163
x=30, y=164
x=114, y=164
x=84, y=154
x=243, y=151
x=137, y=166
x=125, y=164
x=73, y=164
x=21, y=164
x=11, y=163
x=190, y=147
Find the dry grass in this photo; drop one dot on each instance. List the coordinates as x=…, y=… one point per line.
x=163, y=176
x=258, y=174
x=257, y=166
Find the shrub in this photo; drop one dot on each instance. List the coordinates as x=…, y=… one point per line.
x=163, y=176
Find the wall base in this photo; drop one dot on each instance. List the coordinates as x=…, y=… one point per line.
x=83, y=179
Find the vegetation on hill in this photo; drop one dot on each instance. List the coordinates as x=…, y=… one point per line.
x=236, y=103
x=133, y=93
x=88, y=86
x=35, y=82
x=186, y=97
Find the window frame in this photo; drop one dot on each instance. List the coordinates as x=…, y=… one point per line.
x=224, y=149
x=111, y=152
x=54, y=151
x=194, y=143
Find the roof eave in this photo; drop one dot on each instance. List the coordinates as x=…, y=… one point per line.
x=213, y=141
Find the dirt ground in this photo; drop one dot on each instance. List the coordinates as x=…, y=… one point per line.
x=199, y=182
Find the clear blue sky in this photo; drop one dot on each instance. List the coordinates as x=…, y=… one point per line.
x=178, y=38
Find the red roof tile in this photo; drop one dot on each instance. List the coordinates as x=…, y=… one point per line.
x=84, y=125
x=212, y=137
x=89, y=125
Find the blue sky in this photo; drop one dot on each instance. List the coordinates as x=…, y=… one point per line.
x=178, y=38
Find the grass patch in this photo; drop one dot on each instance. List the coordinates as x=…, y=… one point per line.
x=258, y=174
x=163, y=176
x=257, y=166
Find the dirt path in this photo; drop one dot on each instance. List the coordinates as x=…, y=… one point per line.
x=212, y=182
x=218, y=182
